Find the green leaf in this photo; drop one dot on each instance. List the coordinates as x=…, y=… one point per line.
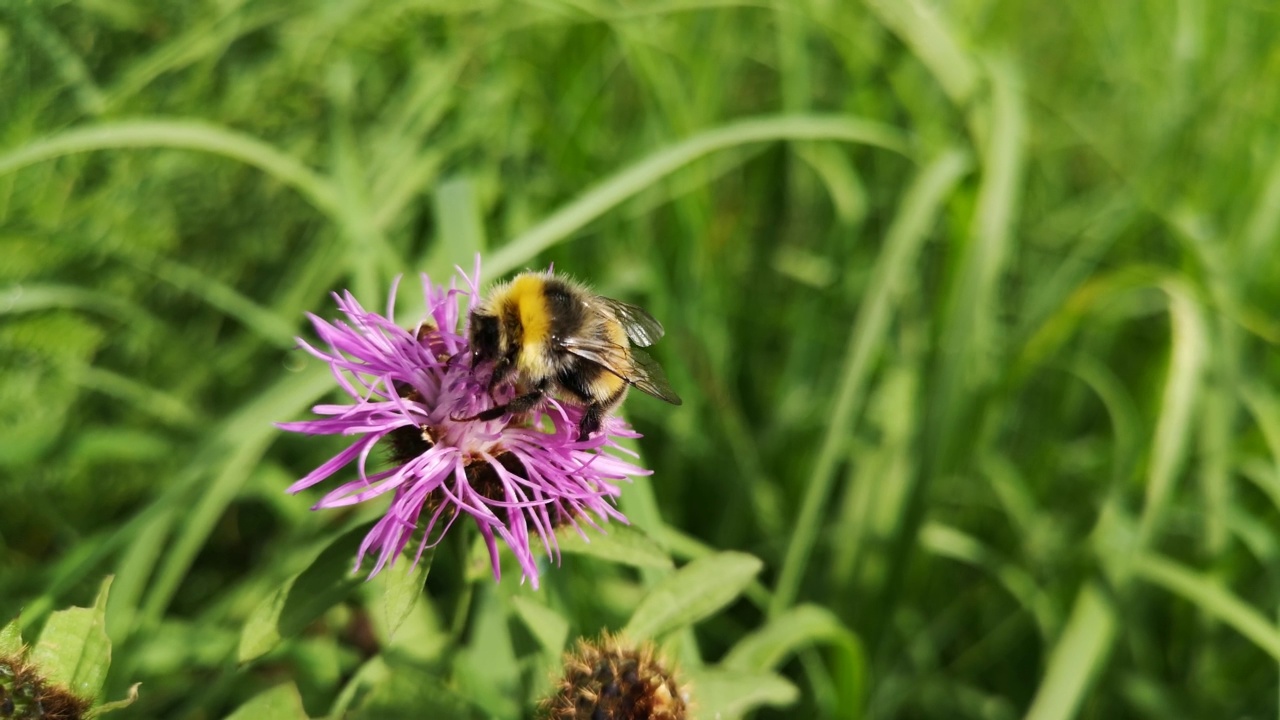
x=621, y=544
x=547, y=625
x=692, y=593
x=402, y=588
x=487, y=671
x=798, y=628
x=728, y=694
x=281, y=702
x=74, y=651
x=409, y=693
x=304, y=597
x=11, y=639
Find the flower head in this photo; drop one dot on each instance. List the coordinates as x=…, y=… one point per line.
x=415, y=392
x=24, y=693
x=611, y=679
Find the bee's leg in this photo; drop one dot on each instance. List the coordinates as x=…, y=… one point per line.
x=594, y=414
x=492, y=413
x=518, y=405
x=502, y=370
x=591, y=420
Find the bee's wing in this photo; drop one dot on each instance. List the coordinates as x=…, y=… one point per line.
x=641, y=327
x=644, y=373
x=648, y=376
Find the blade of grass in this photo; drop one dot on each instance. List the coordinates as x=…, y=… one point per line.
x=877, y=485
x=35, y=297
x=428, y=96
x=629, y=181
x=1260, y=230
x=1219, y=421
x=182, y=135
x=412, y=180
x=66, y=63
x=370, y=258
x=1056, y=329
x=460, y=224
x=1126, y=421
x=1181, y=391
x=151, y=400
x=948, y=542
x=1263, y=405
x=238, y=445
x=263, y=322
x=889, y=279
x=972, y=310
x=963, y=365
x=1210, y=596
x=929, y=36
x=1077, y=658
x=200, y=41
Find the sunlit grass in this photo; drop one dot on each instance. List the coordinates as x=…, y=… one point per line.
x=972, y=307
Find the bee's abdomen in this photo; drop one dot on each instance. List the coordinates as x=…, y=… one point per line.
x=588, y=382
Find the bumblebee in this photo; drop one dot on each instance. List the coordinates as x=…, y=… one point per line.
x=553, y=336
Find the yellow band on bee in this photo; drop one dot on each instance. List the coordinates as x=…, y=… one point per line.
x=535, y=318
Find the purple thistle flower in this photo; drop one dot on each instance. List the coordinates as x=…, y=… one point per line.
x=515, y=476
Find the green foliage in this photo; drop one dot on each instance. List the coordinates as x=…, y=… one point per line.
x=62, y=674
x=692, y=593
x=971, y=304
x=281, y=702
x=74, y=651
x=303, y=598
x=619, y=544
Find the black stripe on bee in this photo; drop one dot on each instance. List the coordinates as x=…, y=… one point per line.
x=568, y=315
x=512, y=329
x=484, y=336
x=575, y=377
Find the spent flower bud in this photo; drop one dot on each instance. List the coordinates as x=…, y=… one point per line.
x=611, y=679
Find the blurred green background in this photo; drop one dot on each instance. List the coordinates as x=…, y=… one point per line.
x=972, y=305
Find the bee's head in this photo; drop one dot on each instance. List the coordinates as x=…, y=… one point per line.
x=485, y=338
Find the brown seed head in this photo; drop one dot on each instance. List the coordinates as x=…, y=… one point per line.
x=610, y=679
x=24, y=695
